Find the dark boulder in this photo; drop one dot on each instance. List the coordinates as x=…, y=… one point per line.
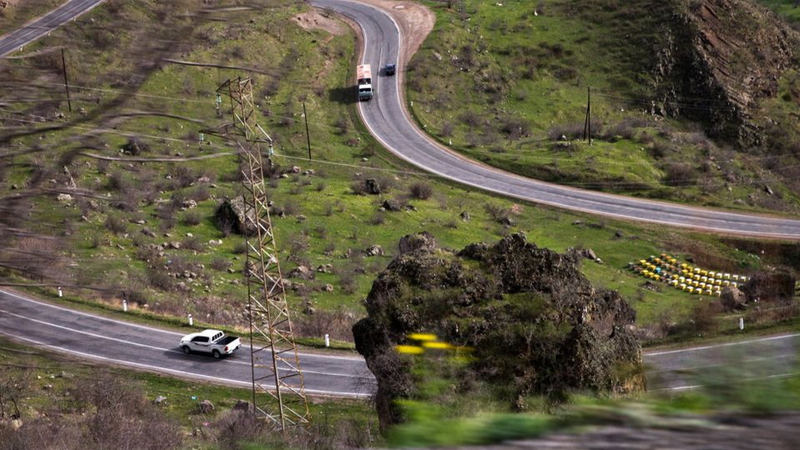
x=536, y=324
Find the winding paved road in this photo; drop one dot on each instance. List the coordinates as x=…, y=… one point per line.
x=87, y=336
x=41, y=324
x=388, y=122
x=32, y=31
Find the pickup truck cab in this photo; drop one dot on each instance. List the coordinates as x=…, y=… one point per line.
x=214, y=342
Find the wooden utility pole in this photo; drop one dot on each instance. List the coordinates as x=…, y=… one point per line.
x=66, y=81
x=308, y=136
x=587, y=124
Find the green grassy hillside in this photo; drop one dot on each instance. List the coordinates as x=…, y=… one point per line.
x=508, y=83
x=142, y=229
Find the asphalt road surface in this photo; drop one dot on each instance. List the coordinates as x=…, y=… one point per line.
x=86, y=336
x=110, y=341
x=388, y=122
x=15, y=40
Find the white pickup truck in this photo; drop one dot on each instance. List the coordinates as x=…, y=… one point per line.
x=210, y=341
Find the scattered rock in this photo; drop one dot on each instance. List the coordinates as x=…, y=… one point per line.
x=230, y=216
x=391, y=205
x=328, y=288
x=325, y=268
x=302, y=272
x=372, y=187
x=375, y=250
x=589, y=254
x=189, y=204
x=732, y=299
x=464, y=216
x=205, y=407
x=65, y=199
x=160, y=400
x=423, y=241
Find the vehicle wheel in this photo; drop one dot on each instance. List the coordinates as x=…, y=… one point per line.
x=216, y=354
x=186, y=349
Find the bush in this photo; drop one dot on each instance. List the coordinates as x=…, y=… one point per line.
x=115, y=225
x=421, y=191
x=192, y=218
x=220, y=264
x=680, y=174
x=193, y=243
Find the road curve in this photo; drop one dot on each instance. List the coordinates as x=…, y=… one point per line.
x=388, y=121
x=32, y=31
x=87, y=336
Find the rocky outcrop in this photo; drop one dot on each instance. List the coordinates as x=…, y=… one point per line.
x=770, y=287
x=716, y=58
x=536, y=324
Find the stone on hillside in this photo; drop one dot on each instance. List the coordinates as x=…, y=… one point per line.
x=65, y=199
x=230, y=216
x=769, y=286
x=302, y=272
x=391, y=205
x=205, y=407
x=732, y=299
x=375, y=250
x=423, y=241
x=372, y=187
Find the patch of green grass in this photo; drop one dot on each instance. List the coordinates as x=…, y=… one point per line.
x=502, y=83
x=326, y=222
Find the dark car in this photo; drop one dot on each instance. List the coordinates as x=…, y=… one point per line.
x=390, y=69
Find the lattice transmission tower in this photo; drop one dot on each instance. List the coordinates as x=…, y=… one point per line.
x=275, y=364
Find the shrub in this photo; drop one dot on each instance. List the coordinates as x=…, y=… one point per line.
x=378, y=219
x=192, y=218
x=220, y=264
x=240, y=248
x=159, y=279
x=497, y=212
x=680, y=174
x=421, y=191
x=193, y=243
x=115, y=225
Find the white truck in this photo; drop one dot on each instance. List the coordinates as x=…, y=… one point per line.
x=214, y=342
x=364, y=78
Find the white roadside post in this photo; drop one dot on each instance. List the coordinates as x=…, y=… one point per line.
x=741, y=323
x=124, y=305
x=60, y=293
x=327, y=340
x=191, y=321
